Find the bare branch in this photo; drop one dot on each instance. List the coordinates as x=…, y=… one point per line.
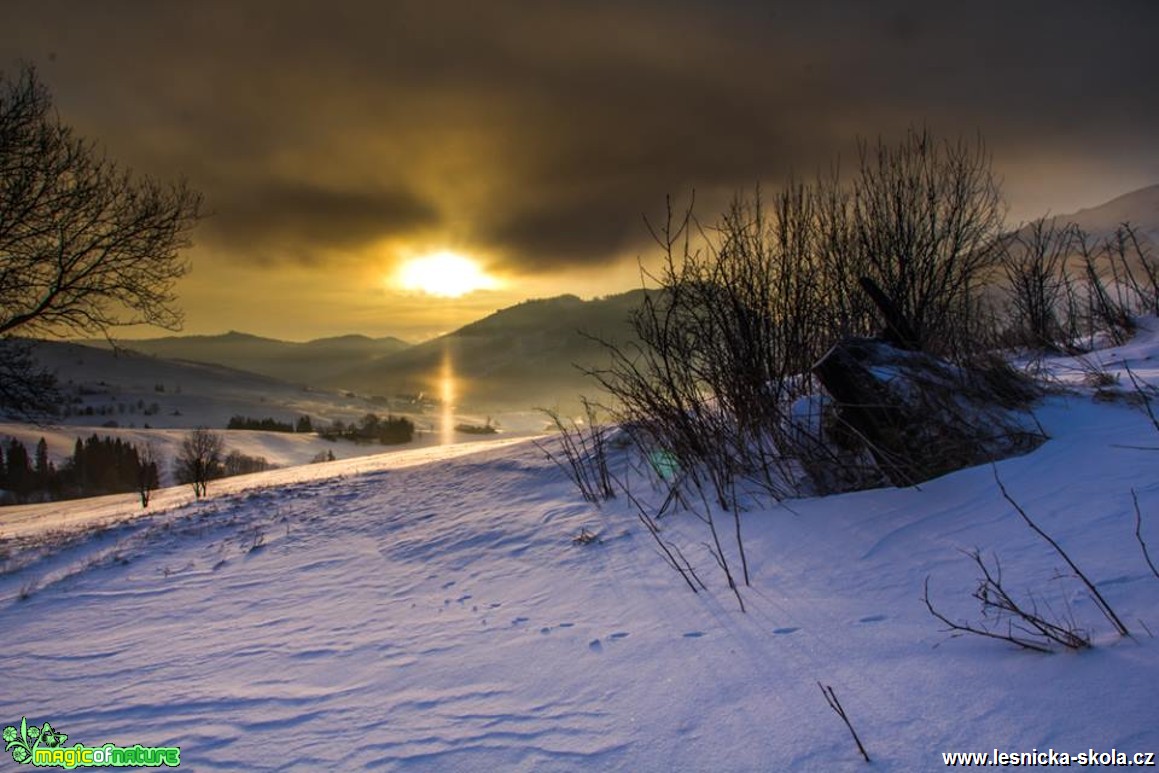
x=1139, y=534
x=1100, y=602
x=831, y=699
x=84, y=245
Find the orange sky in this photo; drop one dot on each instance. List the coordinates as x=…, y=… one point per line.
x=333, y=141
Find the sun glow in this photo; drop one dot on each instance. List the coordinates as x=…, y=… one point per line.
x=446, y=274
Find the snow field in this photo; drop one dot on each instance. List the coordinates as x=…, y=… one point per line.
x=437, y=615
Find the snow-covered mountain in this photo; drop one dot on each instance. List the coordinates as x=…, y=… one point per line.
x=130, y=389
x=151, y=401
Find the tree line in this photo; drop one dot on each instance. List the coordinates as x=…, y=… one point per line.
x=98, y=465
x=106, y=465
x=269, y=424
x=372, y=428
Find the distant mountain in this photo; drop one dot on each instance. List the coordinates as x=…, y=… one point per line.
x=302, y=363
x=520, y=357
x=1140, y=208
x=135, y=389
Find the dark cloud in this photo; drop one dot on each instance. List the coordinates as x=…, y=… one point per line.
x=282, y=220
x=545, y=130
x=555, y=235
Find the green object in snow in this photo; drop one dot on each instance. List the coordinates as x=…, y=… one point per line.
x=665, y=464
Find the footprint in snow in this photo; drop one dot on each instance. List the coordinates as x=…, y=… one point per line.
x=783, y=631
x=872, y=619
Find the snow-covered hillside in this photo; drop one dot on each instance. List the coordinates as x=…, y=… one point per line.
x=134, y=390
x=436, y=613
x=280, y=449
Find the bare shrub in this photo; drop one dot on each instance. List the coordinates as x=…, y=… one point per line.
x=583, y=453
x=671, y=552
x=1004, y=618
x=1026, y=624
x=1140, y=266
x=718, y=376
x=1106, y=309
x=745, y=306
x=726, y=341
x=1096, y=596
x=1033, y=264
x=237, y=463
x=927, y=217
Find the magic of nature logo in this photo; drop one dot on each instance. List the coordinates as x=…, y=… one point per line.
x=44, y=746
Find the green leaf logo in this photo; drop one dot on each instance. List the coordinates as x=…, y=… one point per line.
x=26, y=739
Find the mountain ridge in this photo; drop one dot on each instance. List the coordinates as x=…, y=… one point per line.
x=295, y=362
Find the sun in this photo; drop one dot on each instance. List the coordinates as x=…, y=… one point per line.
x=445, y=274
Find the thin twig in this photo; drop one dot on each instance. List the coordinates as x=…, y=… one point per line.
x=831, y=699
x=960, y=628
x=1140, y=389
x=1100, y=602
x=1139, y=534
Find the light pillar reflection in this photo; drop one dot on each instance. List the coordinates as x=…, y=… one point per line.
x=447, y=398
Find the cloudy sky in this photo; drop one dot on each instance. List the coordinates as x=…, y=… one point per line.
x=334, y=140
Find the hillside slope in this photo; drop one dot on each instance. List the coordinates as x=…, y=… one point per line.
x=521, y=357
x=441, y=616
x=131, y=389
x=1141, y=208
x=300, y=363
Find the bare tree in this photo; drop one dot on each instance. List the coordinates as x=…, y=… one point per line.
x=85, y=246
x=27, y=390
x=927, y=217
x=200, y=459
x=148, y=477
